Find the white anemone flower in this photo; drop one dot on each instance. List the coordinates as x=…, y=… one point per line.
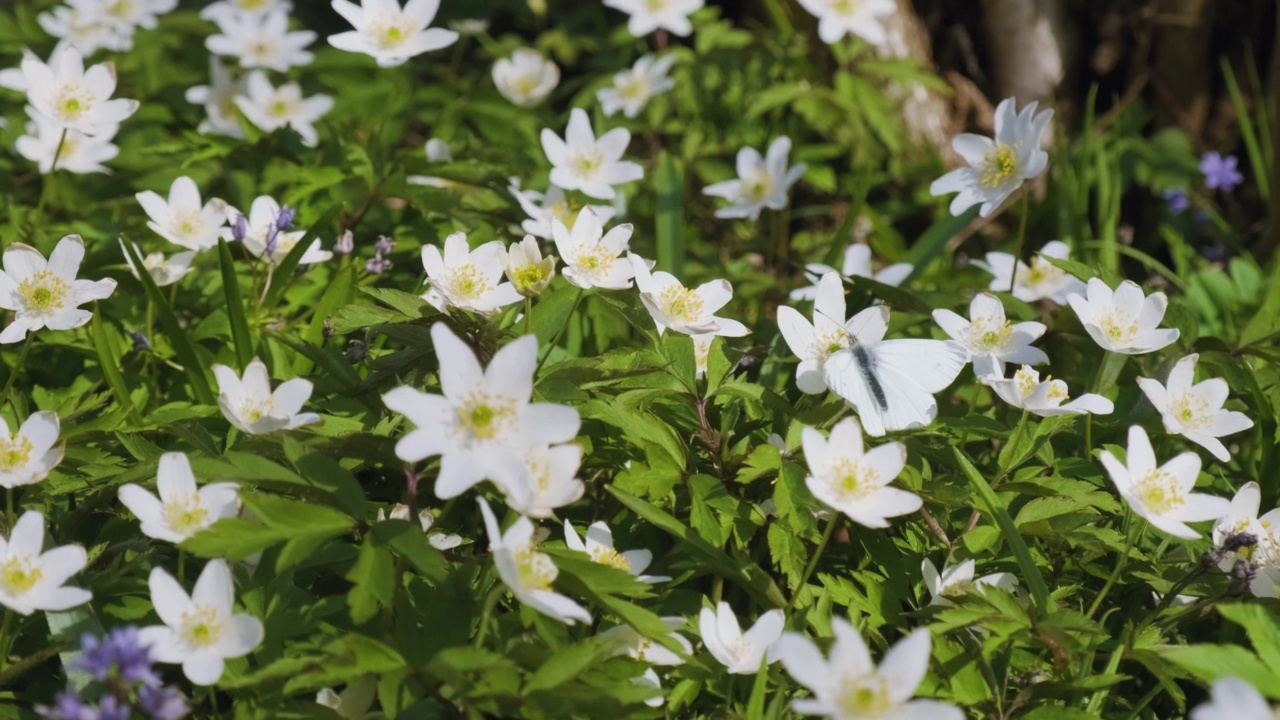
x=592, y=257
x=32, y=580
x=163, y=270
x=249, y=404
x=46, y=293
x=182, y=220
x=1046, y=398
x=680, y=309
x=650, y=680
x=86, y=27
x=439, y=541
x=180, y=510
x=552, y=482
x=762, y=182
x=650, y=15
x=1195, y=411
x=999, y=166
x=863, y=18
x=1233, y=699
x=599, y=545
x=47, y=142
x=389, y=33
x=125, y=16
x=634, y=87
x=1041, y=280
x=1163, y=495
x=271, y=108
x=219, y=101
x=528, y=572
x=857, y=263
x=529, y=272
x=814, y=342
x=526, y=78
x=201, y=630
x=543, y=208
x=991, y=339
x=28, y=455
x=265, y=239
x=1243, y=517
x=221, y=8
x=701, y=353
x=628, y=642
x=957, y=581
x=465, y=278
x=1124, y=320
x=483, y=423
x=856, y=482
x=741, y=653
x=261, y=41
x=848, y=685
x=75, y=98
x=582, y=162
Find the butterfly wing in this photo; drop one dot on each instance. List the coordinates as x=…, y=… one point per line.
x=910, y=372
x=846, y=379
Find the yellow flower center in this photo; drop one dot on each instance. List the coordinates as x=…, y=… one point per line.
x=251, y=4
x=1120, y=327
x=43, y=292
x=72, y=101
x=15, y=451
x=1027, y=380
x=852, y=479
x=1159, y=492
x=633, y=86
x=121, y=9
x=863, y=697
x=1042, y=272
x=19, y=574
x=539, y=466
x=525, y=84
x=529, y=275
x=186, y=514
x=485, y=417
x=279, y=108
x=609, y=556
x=654, y=6
x=680, y=304
x=757, y=187
x=1057, y=390
x=985, y=334
x=1191, y=411
x=392, y=32
x=596, y=259
x=200, y=626
x=535, y=570
x=587, y=161
x=189, y=223
x=466, y=282
x=566, y=211
x=998, y=166
x=846, y=7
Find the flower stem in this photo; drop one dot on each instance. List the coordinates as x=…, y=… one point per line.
x=813, y=561
x=1022, y=238
x=48, y=179
x=6, y=627
x=490, y=601
x=1135, y=529
x=528, y=315
x=17, y=368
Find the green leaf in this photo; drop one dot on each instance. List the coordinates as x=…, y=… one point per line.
x=240, y=336
x=1262, y=627
x=182, y=347
x=109, y=356
x=1030, y=572
x=1210, y=663
x=373, y=578
x=567, y=663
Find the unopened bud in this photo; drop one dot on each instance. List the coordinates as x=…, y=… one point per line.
x=345, y=243
x=239, y=228
x=284, y=219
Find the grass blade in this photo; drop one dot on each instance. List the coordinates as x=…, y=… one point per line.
x=1030, y=573
x=669, y=222
x=109, y=361
x=182, y=347
x=240, y=335
x=1247, y=132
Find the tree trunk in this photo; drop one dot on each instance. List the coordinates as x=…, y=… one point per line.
x=1030, y=43
x=1183, y=64
x=926, y=113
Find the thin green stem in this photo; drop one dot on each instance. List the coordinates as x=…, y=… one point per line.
x=528, y=315
x=1131, y=538
x=1022, y=238
x=490, y=601
x=17, y=369
x=813, y=561
x=48, y=178
x=6, y=629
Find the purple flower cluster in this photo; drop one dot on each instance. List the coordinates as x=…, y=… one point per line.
x=379, y=263
x=1220, y=173
x=123, y=664
x=284, y=221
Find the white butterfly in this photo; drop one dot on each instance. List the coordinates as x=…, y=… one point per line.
x=891, y=382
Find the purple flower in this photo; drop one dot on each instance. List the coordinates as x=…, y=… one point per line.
x=162, y=703
x=66, y=706
x=121, y=654
x=384, y=245
x=1220, y=173
x=1177, y=201
x=284, y=219
x=345, y=243
x=239, y=228
x=377, y=265
x=112, y=709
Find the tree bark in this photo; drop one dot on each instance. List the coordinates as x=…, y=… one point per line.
x=1030, y=43
x=927, y=113
x=1183, y=66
